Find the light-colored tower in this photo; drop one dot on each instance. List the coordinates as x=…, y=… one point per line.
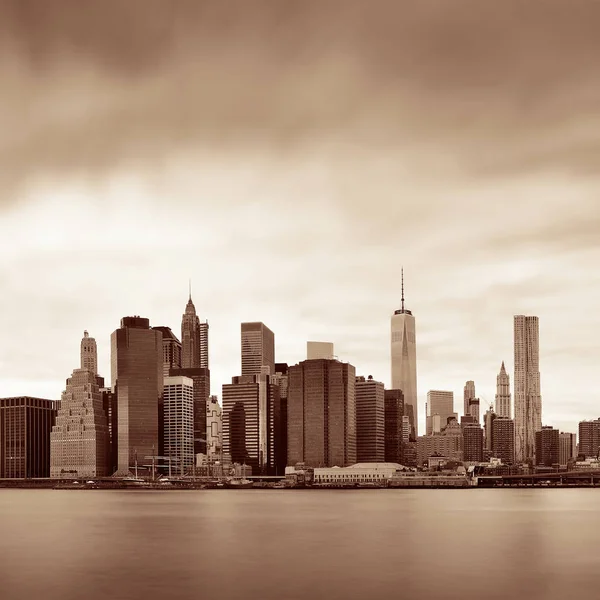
x=404, y=360
x=89, y=353
x=194, y=338
x=503, y=407
x=469, y=394
x=316, y=350
x=178, y=435
x=441, y=404
x=258, y=349
x=528, y=399
x=214, y=429
x=79, y=439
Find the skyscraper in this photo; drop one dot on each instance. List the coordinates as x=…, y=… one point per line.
x=442, y=404
x=178, y=436
x=528, y=400
x=250, y=421
x=89, y=353
x=137, y=381
x=394, y=426
x=214, y=429
x=282, y=381
x=503, y=440
x=79, y=442
x=547, y=441
x=194, y=339
x=171, y=350
x=469, y=394
x=589, y=438
x=404, y=360
x=258, y=349
x=322, y=414
x=472, y=442
x=370, y=420
x=488, y=422
x=567, y=445
x=503, y=407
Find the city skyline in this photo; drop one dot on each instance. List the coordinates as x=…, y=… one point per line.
x=322, y=149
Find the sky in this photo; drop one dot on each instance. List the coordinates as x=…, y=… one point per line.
x=290, y=158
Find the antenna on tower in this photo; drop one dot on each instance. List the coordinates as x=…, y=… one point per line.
x=190, y=285
x=402, y=276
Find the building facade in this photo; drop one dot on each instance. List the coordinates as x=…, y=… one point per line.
x=194, y=339
x=322, y=414
x=137, y=382
x=440, y=403
x=79, y=442
x=468, y=394
x=567, y=448
x=178, y=434
x=503, y=403
x=316, y=350
x=250, y=421
x=547, y=441
x=282, y=381
x=472, y=443
x=171, y=350
x=214, y=429
x=258, y=349
x=394, y=426
x=404, y=360
x=589, y=438
x=25, y=427
x=528, y=399
x=370, y=420
x=488, y=422
x=448, y=443
x=503, y=440
x=88, y=353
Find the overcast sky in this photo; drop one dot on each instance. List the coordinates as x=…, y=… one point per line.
x=290, y=157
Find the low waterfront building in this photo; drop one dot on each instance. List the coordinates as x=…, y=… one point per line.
x=360, y=473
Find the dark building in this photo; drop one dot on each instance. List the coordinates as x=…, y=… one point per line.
x=258, y=349
x=370, y=420
x=281, y=441
x=488, y=422
x=171, y=350
x=322, y=414
x=503, y=440
x=25, y=427
x=547, y=447
x=467, y=420
x=137, y=381
x=201, y=379
x=393, y=413
x=109, y=404
x=250, y=422
x=589, y=438
x=472, y=442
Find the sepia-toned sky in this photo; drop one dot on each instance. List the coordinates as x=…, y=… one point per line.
x=289, y=158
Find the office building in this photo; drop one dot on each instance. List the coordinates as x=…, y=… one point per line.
x=474, y=409
x=194, y=339
x=528, y=400
x=79, y=442
x=439, y=403
x=503, y=440
x=502, y=403
x=25, y=427
x=322, y=414
x=589, y=439
x=394, y=426
x=137, y=381
x=448, y=444
x=567, y=448
x=110, y=408
x=547, y=442
x=370, y=420
x=281, y=440
x=178, y=436
x=88, y=353
x=250, y=421
x=469, y=394
x=488, y=422
x=404, y=360
x=214, y=430
x=317, y=350
x=472, y=443
x=258, y=349
x=171, y=350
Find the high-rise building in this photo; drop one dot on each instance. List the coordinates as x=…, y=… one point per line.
x=282, y=381
x=473, y=443
x=488, y=422
x=567, y=448
x=322, y=414
x=178, y=436
x=469, y=394
x=89, y=353
x=258, y=349
x=171, y=350
x=137, y=381
x=404, y=361
x=439, y=403
x=214, y=429
x=503, y=439
x=474, y=409
x=528, y=400
x=250, y=420
x=194, y=339
x=25, y=426
x=589, y=438
x=448, y=443
x=110, y=408
x=547, y=441
x=503, y=407
x=79, y=442
x=370, y=420
x=394, y=426
x=316, y=350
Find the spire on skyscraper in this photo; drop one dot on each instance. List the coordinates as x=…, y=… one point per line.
x=402, y=276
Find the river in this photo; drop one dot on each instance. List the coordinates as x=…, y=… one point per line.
x=288, y=544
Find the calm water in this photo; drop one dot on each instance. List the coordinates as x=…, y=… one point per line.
x=263, y=545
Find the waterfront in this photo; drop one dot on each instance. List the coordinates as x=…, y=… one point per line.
x=269, y=544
